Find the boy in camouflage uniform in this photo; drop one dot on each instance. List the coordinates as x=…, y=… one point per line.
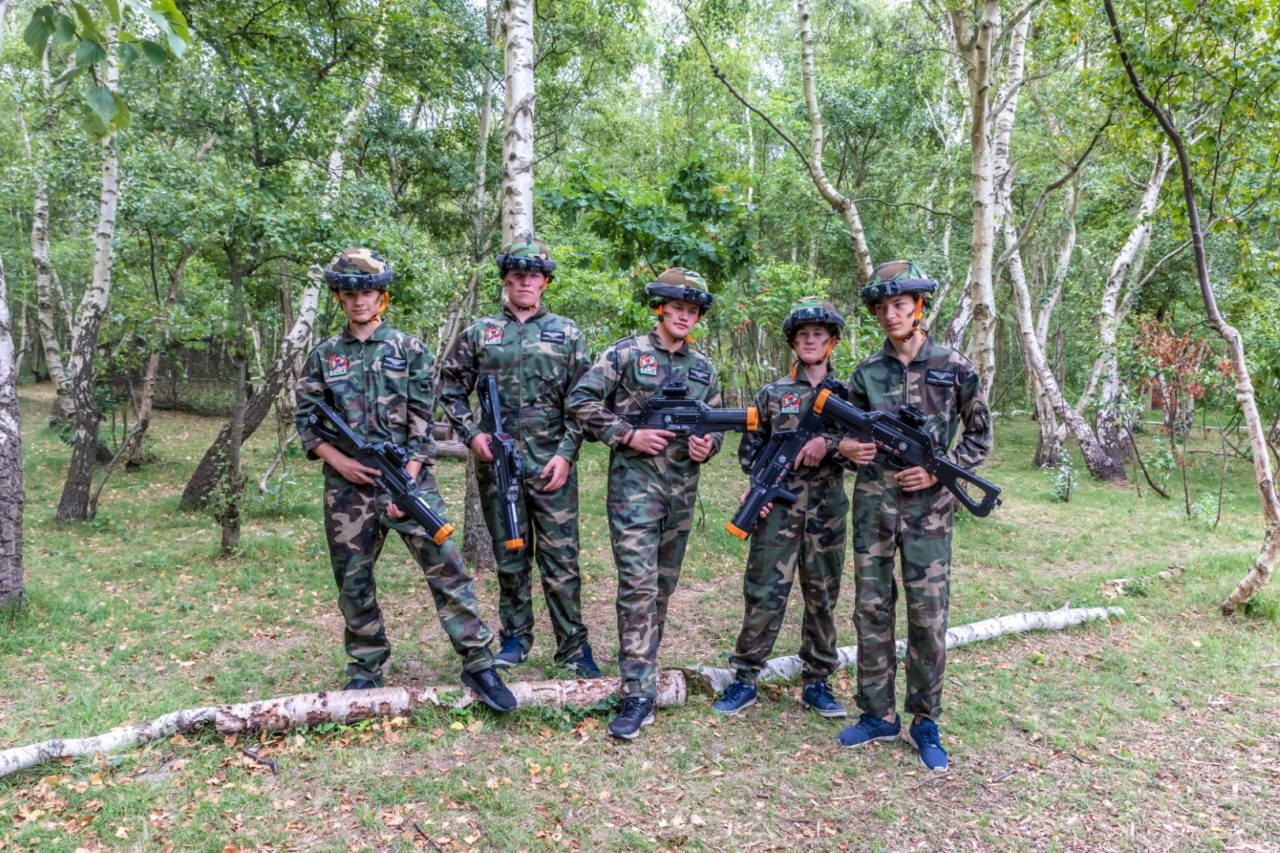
x=536, y=357
x=380, y=380
x=807, y=536
x=653, y=475
x=907, y=510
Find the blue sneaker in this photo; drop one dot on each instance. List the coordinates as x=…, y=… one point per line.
x=817, y=695
x=924, y=737
x=868, y=729
x=585, y=666
x=736, y=696
x=512, y=654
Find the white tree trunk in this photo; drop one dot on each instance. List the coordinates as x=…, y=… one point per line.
x=46, y=303
x=12, y=492
x=338, y=706
x=839, y=202
x=1049, y=446
x=74, y=503
x=517, y=140
x=712, y=680
x=1105, y=374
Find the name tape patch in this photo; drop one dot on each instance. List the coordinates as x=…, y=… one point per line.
x=940, y=377
x=392, y=362
x=700, y=376
x=552, y=337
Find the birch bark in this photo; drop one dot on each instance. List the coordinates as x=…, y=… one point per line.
x=517, y=141
x=12, y=491
x=74, y=503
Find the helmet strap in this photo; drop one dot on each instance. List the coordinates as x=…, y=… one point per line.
x=915, y=322
x=831, y=346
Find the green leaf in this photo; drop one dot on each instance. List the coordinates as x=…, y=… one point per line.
x=113, y=9
x=104, y=104
x=70, y=74
x=37, y=33
x=90, y=53
x=155, y=54
x=129, y=54
x=121, y=121
x=179, y=35
x=88, y=26
x=64, y=32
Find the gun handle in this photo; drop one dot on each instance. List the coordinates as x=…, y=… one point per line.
x=749, y=513
x=990, y=492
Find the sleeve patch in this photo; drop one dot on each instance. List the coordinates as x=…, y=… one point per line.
x=945, y=378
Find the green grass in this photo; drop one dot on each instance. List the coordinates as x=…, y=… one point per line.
x=1156, y=731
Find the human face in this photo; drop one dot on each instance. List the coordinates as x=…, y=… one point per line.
x=360, y=306
x=524, y=288
x=895, y=314
x=679, y=318
x=810, y=343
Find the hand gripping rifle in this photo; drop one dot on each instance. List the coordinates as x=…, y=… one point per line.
x=770, y=470
x=508, y=466
x=390, y=460
x=906, y=445
x=672, y=409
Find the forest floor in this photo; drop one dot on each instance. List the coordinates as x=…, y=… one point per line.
x=1160, y=731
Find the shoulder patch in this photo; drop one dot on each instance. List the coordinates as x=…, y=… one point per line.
x=933, y=376
x=552, y=336
x=492, y=335
x=394, y=362
x=647, y=364
x=701, y=376
x=789, y=404
x=339, y=365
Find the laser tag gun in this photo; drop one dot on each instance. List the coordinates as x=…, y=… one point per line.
x=672, y=409
x=508, y=466
x=905, y=444
x=390, y=460
x=770, y=470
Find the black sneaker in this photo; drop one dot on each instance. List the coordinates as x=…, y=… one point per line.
x=637, y=712
x=512, y=653
x=585, y=666
x=489, y=687
x=360, y=684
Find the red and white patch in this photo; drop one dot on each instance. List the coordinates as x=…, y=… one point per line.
x=492, y=335
x=790, y=404
x=339, y=365
x=647, y=365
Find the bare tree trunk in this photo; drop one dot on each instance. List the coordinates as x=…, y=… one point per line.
x=12, y=491
x=1269, y=553
x=233, y=492
x=23, y=346
x=133, y=454
x=1049, y=445
x=74, y=503
x=517, y=142
x=840, y=203
x=46, y=305
x=1105, y=368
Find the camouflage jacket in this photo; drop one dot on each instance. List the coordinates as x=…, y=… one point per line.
x=624, y=377
x=782, y=403
x=382, y=385
x=536, y=363
x=941, y=383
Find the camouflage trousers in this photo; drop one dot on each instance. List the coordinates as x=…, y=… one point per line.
x=887, y=520
x=790, y=539
x=549, y=525
x=356, y=526
x=649, y=532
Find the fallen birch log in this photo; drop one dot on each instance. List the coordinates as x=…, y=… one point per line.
x=1116, y=588
x=309, y=709
x=711, y=680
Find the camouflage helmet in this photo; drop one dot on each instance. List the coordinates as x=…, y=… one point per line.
x=812, y=310
x=358, y=269
x=682, y=284
x=897, y=277
x=526, y=252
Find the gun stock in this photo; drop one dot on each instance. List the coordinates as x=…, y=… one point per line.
x=906, y=445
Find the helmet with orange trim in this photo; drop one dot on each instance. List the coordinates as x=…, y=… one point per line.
x=895, y=277
x=358, y=269
x=812, y=310
x=682, y=284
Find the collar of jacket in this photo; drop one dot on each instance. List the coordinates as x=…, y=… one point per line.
x=383, y=332
x=683, y=349
x=924, y=354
